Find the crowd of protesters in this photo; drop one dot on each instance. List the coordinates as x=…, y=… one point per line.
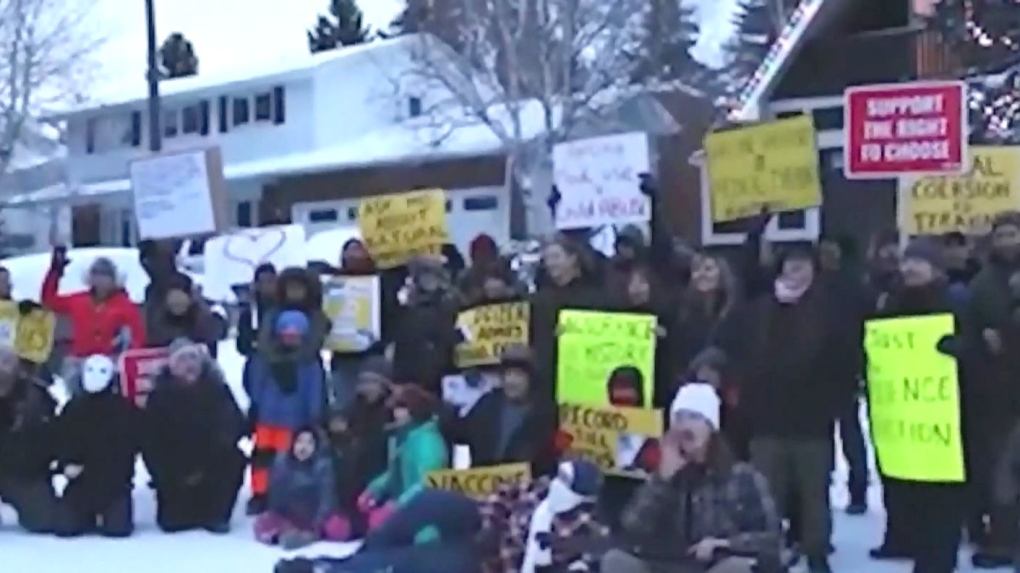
x=759, y=360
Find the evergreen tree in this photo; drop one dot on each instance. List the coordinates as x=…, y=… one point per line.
x=670, y=31
x=177, y=57
x=344, y=26
x=755, y=30
x=441, y=18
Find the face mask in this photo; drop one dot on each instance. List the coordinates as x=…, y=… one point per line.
x=97, y=373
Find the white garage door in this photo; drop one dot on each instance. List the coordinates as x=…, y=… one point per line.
x=469, y=212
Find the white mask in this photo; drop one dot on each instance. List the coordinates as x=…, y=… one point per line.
x=96, y=373
x=560, y=497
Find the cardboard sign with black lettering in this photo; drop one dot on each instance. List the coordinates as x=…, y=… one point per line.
x=479, y=483
x=621, y=441
x=488, y=330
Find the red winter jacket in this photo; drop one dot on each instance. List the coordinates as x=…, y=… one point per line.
x=95, y=326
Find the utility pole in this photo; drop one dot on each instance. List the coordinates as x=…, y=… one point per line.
x=152, y=76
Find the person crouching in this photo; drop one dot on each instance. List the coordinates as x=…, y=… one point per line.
x=193, y=425
x=286, y=394
x=97, y=439
x=301, y=497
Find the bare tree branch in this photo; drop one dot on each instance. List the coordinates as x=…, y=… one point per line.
x=46, y=49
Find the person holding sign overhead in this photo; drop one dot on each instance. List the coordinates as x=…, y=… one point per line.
x=915, y=405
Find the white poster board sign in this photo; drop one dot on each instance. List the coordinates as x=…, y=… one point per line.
x=232, y=259
x=178, y=194
x=598, y=181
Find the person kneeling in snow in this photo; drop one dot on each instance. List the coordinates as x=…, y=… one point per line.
x=192, y=426
x=97, y=439
x=301, y=497
x=27, y=412
x=544, y=526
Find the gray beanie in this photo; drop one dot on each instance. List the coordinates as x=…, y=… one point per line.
x=377, y=367
x=103, y=266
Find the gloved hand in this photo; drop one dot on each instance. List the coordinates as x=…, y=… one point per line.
x=59, y=260
x=72, y=471
x=366, y=502
x=26, y=307
x=947, y=345
x=648, y=185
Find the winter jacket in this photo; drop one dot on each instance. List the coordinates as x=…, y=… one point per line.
x=991, y=306
x=1007, y=472
x=506, y=520
x=413, y=452
x=101, y=433
x=360, y=456
x=809, y=353
x=584, y=293
x=189, y=427
x=198, y=324
x=248, y=322
x=533, y=440
x=666, y=517
x=424, y=340
x=26, y=430
x=302, y=492
x=97, y=327
x=285, y=394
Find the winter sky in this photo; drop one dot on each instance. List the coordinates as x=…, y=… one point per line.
x=229, y=33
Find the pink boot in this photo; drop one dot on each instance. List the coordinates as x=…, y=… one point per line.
x=379, y=515
x=268, y=527
x=336, y=528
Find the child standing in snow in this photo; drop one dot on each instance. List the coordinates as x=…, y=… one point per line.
x=301, y=499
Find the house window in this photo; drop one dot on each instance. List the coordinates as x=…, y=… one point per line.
x=264, y=107
x=323, y=216
x=170, y=124
x=414, y=107
x=352, y=213
x=485, y=203
x=191, y=119
x=127, y=232
x=244, y=214
x=112, y=132
x=449, y=206
x=241, y=110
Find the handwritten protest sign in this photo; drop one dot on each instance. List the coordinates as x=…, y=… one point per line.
x=914, y=399
x=774, y=164
x=138, y=369
x=618, y=440
x=352, y=303
x=30, y=335
x=231, y=259
x=967, y=202
x=478, y=483
x=396, y=228
x=489, y=329
x=598, y=181
x=592, y=345
x=179, y=194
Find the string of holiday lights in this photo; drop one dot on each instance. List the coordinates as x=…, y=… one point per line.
x=777, y=54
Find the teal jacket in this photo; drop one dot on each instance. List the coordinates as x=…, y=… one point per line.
x=413, y=452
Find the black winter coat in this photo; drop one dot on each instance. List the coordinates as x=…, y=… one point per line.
x=188, y=427
x=424, y=342
x=101, y=433
x=26, y=430
x=532, y=442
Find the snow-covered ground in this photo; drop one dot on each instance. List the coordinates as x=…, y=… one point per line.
x=154, y=552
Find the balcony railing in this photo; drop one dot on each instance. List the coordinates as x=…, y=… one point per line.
x=827, y=66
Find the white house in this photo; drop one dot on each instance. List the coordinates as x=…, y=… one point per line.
x=336, y=111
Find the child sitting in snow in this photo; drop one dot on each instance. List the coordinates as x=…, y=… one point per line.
x=301, y=497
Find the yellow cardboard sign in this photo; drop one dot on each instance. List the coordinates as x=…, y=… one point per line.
x=397, y=228
x=479, y=483
x=593, y=345
x=30, y=335
x=490, y=329
x=773, y=164
x=611, y=437
x=967, y=202
x=914, y=399
x=352, y=304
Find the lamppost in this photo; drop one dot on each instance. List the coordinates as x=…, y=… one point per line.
x=152, y=77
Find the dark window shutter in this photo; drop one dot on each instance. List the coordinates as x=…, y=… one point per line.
x=90, y=136
x=204, y=127
x=224, y=126
x=136, y=129
x=279, y=105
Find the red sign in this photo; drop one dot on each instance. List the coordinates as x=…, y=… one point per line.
x=138, y=370
x=916, y=128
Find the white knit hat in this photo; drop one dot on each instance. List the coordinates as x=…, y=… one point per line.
x=700, y=398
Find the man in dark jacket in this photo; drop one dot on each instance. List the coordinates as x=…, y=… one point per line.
x=256, y=301
x=795, y=333
x=181, y=314
x=27, y=412
x=425, y=336
x=995, y=370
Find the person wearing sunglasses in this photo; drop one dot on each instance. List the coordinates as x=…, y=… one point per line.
x=702, y=511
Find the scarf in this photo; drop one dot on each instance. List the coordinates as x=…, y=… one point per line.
x=789, y=291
